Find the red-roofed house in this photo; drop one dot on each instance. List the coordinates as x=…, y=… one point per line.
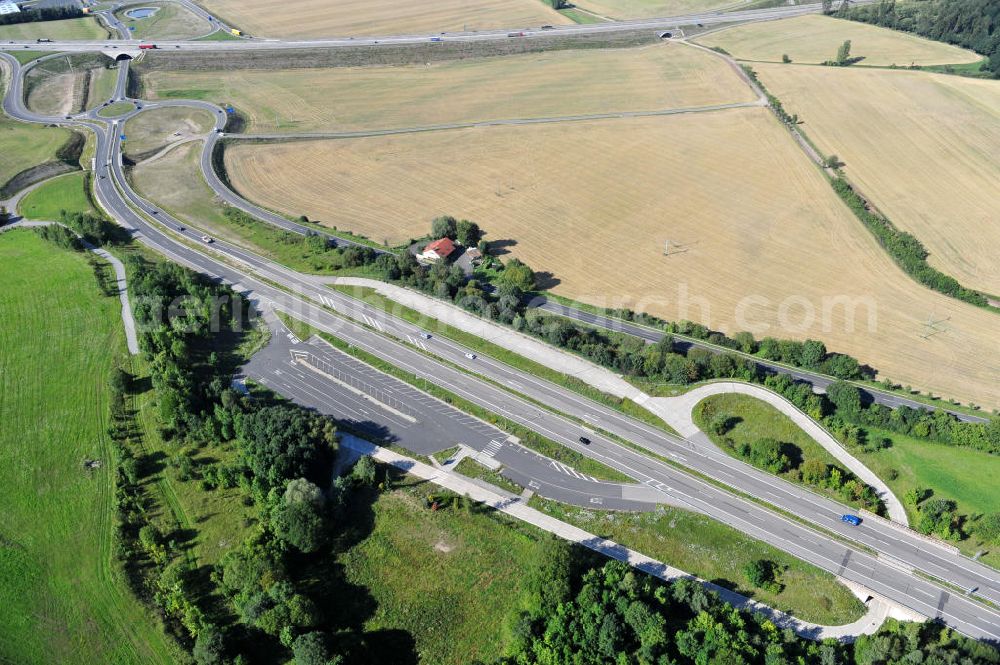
x=437, y=250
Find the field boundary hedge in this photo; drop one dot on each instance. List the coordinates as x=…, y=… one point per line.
x=904, y=248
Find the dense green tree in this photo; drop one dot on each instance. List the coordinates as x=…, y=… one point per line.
x=518, y=274
x=364, y=471
x=444, y=227
x=300, y=518
x=468, y=233
x=813, y=353
x=209, y=647
x=767, y=454
x=846, y=397
x=311, y=649
x=844, y=52
x=283, y=442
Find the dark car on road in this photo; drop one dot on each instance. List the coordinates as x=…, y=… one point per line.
x=584, y=440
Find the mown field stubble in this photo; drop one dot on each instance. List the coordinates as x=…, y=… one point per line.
x=758, y=239
x=556, y=83
x=924, y=148
x=323, y=18
x=814, y=39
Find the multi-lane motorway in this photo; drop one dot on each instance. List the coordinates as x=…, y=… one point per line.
x=886, y=573
x=523, y=32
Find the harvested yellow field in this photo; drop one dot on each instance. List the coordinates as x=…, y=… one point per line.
x=814, y=38
x=925, y=148
x=759, y=240
x=626, y=9
x=522, y=86
x=332, y=18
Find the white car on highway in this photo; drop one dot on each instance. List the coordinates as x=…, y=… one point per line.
x=206, y=239
x=470, y=356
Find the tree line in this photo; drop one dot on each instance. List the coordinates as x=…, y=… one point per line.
x=972, y=24
x=590, y=614
x=502, y=296
x=262, y=602
x=904, y=248
x=41, y=14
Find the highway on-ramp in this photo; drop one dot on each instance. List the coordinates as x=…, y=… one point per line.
x=887, y=574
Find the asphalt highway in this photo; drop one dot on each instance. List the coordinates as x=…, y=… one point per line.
x=526, y=32
x=819, y=381
x=886, y=574
x=317, y=376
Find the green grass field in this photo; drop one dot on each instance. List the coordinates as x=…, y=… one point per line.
x=759, y=420
x=86, y=28
x=449, y=578
x=716, y=552
x=23, y=145
x=62, y=599
x=964, y=475
x=68, y=192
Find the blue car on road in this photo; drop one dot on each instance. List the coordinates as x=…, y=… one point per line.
x=853, y=520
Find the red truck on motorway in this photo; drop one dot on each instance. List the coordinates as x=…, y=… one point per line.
x=146, y=47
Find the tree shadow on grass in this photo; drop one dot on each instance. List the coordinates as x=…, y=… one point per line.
x=347, y=606
x=793, y=453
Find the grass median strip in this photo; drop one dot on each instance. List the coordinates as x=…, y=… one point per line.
x=551, y=448
x=628, y=407
x=472, y=469
x=528, y=438
x=719, y=553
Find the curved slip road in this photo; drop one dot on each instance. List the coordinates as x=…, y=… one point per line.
x=679, y=411
x=891, y=579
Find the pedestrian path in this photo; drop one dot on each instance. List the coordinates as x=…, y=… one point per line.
x=675, y=411
x=678, y=413
x=879, y=609
x=131, y=338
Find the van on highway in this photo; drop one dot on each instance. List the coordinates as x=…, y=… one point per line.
x=853, y=520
